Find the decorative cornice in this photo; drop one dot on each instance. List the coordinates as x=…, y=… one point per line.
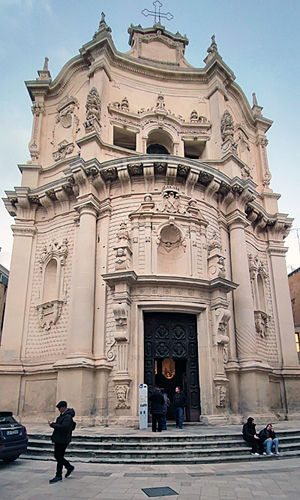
x=131, y=278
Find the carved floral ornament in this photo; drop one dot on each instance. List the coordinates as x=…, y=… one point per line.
x=65, y=128
x=257, y=267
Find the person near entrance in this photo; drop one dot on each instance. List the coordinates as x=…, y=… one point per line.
x=61, y=437
x=157, y=403
x=179, y=402
x=165, y=409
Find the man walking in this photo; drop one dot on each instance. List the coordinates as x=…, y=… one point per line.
x=61, y=437
x=179, y=403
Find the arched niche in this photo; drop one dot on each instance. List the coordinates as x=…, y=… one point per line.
x=159, y=142
x=171, y=251
x=52, y=296
x=50, y=279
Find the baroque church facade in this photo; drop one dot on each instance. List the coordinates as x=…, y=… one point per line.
x=148, y=246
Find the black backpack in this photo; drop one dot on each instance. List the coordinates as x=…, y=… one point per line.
x=73, y=425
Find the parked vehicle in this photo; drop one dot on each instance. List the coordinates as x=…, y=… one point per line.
x=13, y=437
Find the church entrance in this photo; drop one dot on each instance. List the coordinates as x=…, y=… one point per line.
x=171, y=358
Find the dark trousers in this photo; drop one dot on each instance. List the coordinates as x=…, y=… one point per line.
x=156, y=417
x=255, y=443
x=59, y=452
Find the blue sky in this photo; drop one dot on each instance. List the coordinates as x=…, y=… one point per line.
x=258, y=40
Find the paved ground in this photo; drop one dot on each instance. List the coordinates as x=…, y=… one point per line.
x=268, y=480
x=272, y=479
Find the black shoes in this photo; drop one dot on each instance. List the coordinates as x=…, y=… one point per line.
x=55, y=479
x=69, y=471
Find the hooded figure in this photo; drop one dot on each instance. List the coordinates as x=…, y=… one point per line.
x=249, y=435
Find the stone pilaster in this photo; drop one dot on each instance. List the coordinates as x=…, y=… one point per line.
x=281, y=292
x=253, y=374
x=82, y=307
x=243, y=303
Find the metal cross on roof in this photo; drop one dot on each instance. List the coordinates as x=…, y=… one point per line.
x=157, y=14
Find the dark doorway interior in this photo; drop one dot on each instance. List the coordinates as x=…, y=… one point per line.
x=171, y=358
x=157, y=149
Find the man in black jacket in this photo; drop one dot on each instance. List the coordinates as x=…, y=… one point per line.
x=268, y=439
x=157, y=402
x=61, y=437
x=179, y=402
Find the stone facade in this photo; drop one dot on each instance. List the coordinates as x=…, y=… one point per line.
x=4, y=276
x=294, y=284
x=147, y=196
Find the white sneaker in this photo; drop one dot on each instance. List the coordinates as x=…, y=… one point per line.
x=254, y=453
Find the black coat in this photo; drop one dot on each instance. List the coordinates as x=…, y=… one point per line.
x=179, y=400
x=63, y=427
x=157, y=403
x=249, y=430
x=265, y=434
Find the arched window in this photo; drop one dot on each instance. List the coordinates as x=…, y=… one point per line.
x=159, y=142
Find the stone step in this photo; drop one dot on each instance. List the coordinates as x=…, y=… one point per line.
x=160, y=448
x=168, y=461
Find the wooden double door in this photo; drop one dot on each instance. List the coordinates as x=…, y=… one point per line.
x=171, y=358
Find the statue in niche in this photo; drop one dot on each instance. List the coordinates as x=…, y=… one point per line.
x=227, y=125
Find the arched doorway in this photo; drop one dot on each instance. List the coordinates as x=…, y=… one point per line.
x=171, y=357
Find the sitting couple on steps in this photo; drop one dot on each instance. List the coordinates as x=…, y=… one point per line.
x=264, y=441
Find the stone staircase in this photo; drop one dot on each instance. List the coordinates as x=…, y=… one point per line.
x=162, y=448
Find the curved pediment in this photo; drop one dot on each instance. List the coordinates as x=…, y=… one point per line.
x=156, y=44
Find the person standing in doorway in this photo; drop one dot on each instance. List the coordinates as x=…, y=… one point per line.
x=61, y=437
x=165, y=409
x=179, y=403
x=157, y=403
